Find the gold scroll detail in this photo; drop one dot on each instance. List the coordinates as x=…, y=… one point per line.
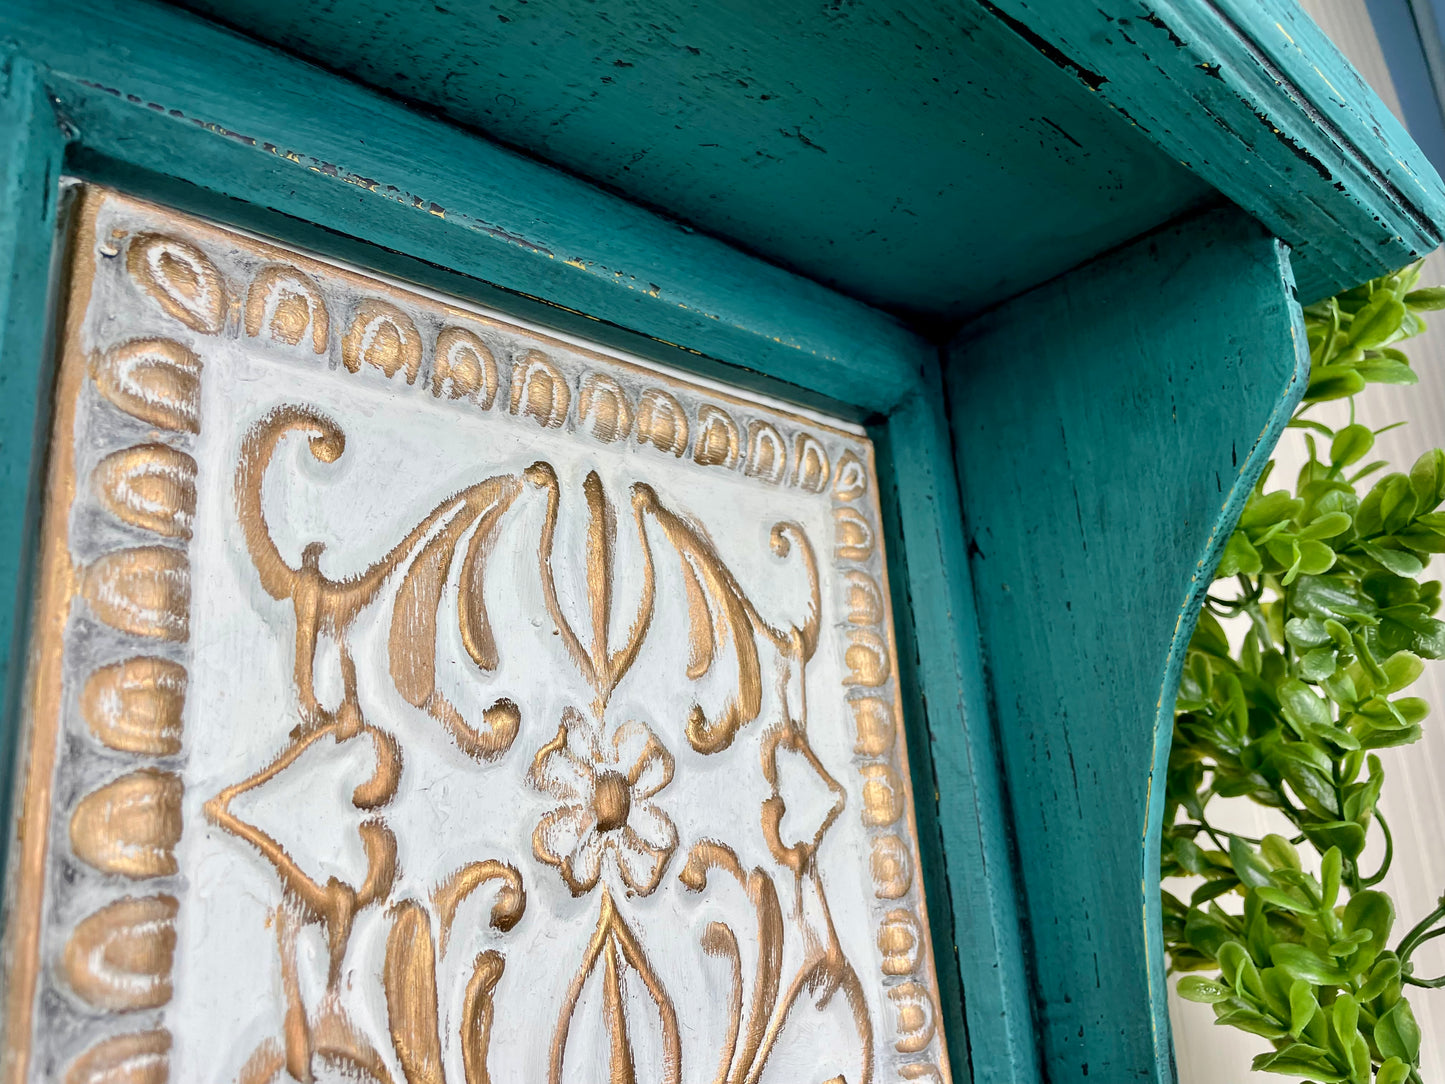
x=150, y=486
x=614, y=949
x=134, y=706
x=181, y=278
x=719, y=443
x=141, y=1057
x=131, y=825
x=145, y=591
x=119, y=958
x=824, y=972
x=155, y=380
x=921, y=1070
x=463, y=368
x=284, y=303
x=384, y=337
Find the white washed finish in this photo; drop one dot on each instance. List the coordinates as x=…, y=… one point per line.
x=407, y=448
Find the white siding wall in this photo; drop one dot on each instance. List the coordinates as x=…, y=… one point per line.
x=1415, y=784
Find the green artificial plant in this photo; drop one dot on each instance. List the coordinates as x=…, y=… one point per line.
x=1323, y=586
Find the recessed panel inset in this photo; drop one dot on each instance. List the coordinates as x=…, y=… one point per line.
x=418, y=697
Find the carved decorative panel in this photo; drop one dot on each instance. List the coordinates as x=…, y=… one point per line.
x=419, y=697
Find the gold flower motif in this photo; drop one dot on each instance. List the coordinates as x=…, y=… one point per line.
x=604, y=787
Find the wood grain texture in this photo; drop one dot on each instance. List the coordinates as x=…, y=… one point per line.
x=31, y=146
x=968, y=865
x=154, y=93
x=918, y=155
x=1103, y=468
x=1251, y=96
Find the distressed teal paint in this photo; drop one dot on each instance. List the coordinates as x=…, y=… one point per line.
x=30, y=157
x=953, y=757
x=919, y=156
x=1252, y=97
x=244, y=123
x=159, y=102
x=1098, y=495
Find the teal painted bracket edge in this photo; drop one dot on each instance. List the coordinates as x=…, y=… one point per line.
x=1076, y=474
x=1254, y=464
x=158, y=90
x=31, y=149
x=1220, y=83
x=953, y=759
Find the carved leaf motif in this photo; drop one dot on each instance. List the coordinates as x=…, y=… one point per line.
x=410, y=978
x=413, y=642
x=614, y=948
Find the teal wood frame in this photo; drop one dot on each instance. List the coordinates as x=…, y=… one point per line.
x=171, y=108
x=217, y=126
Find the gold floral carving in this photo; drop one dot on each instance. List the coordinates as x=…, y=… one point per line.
x=119, y=958
x=384, y=337
x=141, y=1057
x=607, y=832
x=284, y=304
x=181, y=278
x=150, y=486
x=134, y=706
x=131, y=825
x=155, y=380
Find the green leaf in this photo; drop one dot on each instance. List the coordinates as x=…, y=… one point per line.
x=1333, y=383
x=1345, y=1016
x=1403, y=668
x=1427, y=479
x=1302, y=1005
x=1306, y=632
x=1256, y=1023
x=1279, y=852
x=1351, y=444
x=1331, y=867
x=1397, y=1035
x=1319, y=664
x=1270, y=508
x=1205, y=991
x=1300, y=963
x=1346, y=835
x=1386, y=971
x=1278, y=897
x=1393, y=1071
x=1301, y=706
x=1327, y=525
x=1377, y=323
x=1190, y=856
x=1247, y=866
x=1300, y=1059
x=1426, y=299
x=1239, y=557
x=1316, y=558
x=1400, y=562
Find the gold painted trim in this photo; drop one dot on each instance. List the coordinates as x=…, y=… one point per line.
x=56, y=587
